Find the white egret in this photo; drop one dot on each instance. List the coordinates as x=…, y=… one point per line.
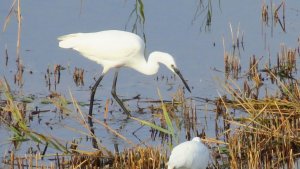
x=115, y=49
x=189, y=155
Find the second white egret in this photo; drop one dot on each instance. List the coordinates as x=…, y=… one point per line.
x=189, y=155
x=115, y=49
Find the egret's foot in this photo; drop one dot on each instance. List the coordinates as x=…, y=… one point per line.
x=114, y=94
x=121, y=104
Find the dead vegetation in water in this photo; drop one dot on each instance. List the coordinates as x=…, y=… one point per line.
x=78, y=76
x=181, y=111
x=14, y=118
x=264, y=125
x=71, y=157
x=141, y=157
x=232, y=59
x=232, y=65
x=136, y=157
x=53, y=76
x=273, y=13
x=267, y=135
x=16, y=9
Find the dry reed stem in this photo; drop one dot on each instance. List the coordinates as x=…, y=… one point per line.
x=113, y=131
x=269, y=120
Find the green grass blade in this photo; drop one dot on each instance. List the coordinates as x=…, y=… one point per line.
x=147, y=123
x=166, y=116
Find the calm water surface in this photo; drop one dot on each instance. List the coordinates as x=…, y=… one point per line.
x=177, y=27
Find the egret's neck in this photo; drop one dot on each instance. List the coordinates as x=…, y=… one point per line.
x=151, y=66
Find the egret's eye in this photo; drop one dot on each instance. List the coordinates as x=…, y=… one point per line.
x=172, y=66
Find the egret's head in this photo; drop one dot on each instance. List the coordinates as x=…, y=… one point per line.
x=168, y=60
x=198, y=139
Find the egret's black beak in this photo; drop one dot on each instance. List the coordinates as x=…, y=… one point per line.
x=181, y=77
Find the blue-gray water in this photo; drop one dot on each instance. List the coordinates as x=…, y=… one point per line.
x=177, y=27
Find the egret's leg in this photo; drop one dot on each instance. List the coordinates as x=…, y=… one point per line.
x=93, y=92
x=114, y=94
x=90, y=121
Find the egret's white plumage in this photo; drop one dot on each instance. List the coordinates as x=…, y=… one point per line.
x=189, y=155
x=109, y=48
x=115, y=49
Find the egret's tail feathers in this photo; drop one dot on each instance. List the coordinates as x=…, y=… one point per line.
x=68, y=41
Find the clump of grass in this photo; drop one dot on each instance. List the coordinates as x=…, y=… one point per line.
x=264, y=13
x=276, y=12
x=264, y=130
x=15, y=120
x=59, y=101
x=78, y=76
x=141, y=157
x=16, y=8
x=57, y=68
x=136, y=157
x=286, y=62
x=268, y=136
x=27, y=161
x=18, y=78
x=232, y=65
x=232, y=59
x=56, y=73
x=166, y=128
x=96, y=159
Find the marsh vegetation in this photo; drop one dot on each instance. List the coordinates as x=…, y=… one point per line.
x=246, y=109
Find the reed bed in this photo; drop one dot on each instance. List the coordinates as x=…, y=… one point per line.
x=265, y=135
x=261, y=130
x=263, y=125
x=133, y=158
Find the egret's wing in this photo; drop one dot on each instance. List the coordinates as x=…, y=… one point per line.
x=106, y=46
x=179, y=156
x=189, y=154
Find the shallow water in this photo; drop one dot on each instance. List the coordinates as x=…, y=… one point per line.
x=177, y=27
